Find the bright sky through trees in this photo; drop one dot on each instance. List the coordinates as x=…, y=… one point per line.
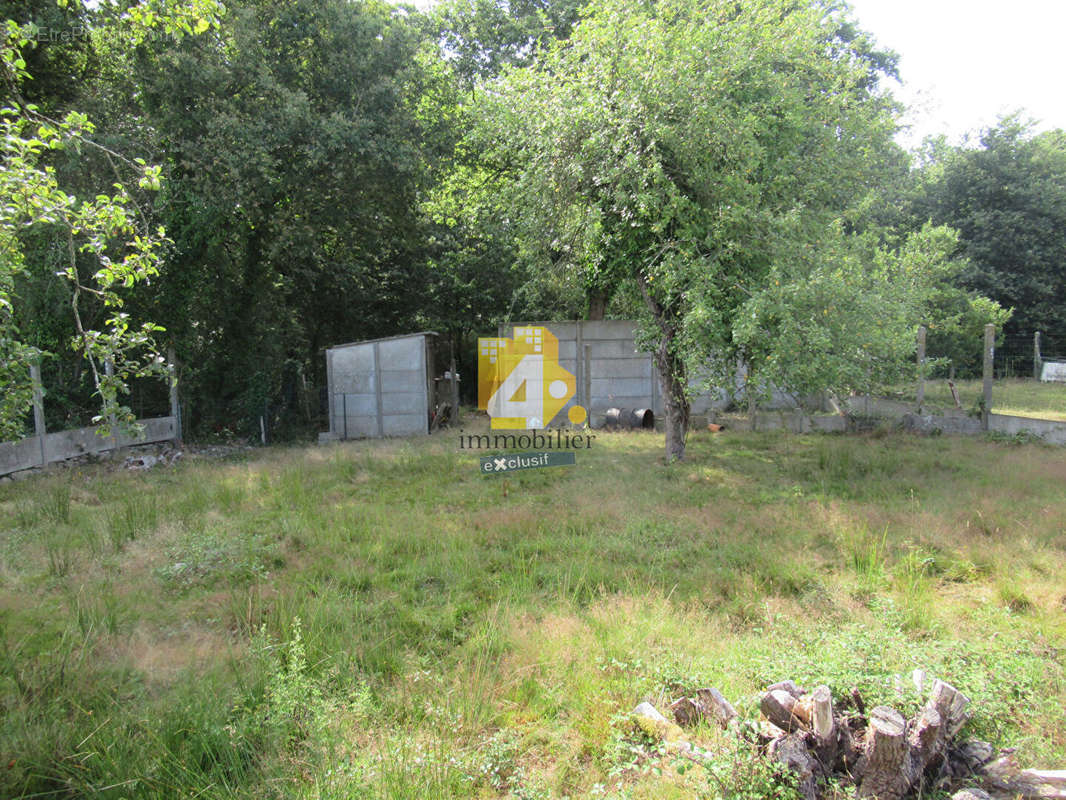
x=964, y=62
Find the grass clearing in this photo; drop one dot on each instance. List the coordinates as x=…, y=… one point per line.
x=1019, y=397
x=378, y=620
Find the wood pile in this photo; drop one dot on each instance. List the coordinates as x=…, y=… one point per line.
x=878, y=751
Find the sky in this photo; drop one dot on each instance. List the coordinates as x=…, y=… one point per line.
x=964, y=62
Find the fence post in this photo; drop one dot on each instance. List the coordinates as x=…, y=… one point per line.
x=990, y=353
x=921, y=367
x=112, y=420
x=588, y=382
x=38, y=407
x=454, y=388
x=175, y=406
x=1038, y=361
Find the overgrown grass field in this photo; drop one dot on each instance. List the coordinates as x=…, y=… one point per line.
x=378, y=620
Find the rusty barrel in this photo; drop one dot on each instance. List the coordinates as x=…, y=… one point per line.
x=630, y=419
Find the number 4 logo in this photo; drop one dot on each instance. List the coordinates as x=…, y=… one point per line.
x=520, y=382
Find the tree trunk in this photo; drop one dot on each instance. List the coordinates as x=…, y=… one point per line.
x=675, y=400
x=672, y=375
x=597, y=303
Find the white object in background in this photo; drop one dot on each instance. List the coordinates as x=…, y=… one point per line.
x=1054, y=371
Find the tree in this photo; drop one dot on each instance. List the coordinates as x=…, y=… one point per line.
x=294, y=155
x=686, y=147
x=481, y=37
x=1007, y=199
x=106, y=242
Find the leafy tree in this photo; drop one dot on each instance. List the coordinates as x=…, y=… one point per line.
x=481, y=37
x=1007, y=199
x=106, y=244
x=294, y=157
x=843, y=316
x=687, y=147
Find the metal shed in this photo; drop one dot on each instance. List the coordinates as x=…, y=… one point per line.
x=380, y=387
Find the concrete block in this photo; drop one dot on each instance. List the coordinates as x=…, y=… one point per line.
x=608, y=329
x=353, y=383
x=404, y=424
x=622, y=368
x=1049, y=430
x=627, y=387
x=406, y=380
x=357, y=427
x=403, y=403
x=357, y=405
x=616, y=348
x=355, y=359
x=405, y=353
x=602, y=403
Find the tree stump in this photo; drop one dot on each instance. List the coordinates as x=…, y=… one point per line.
x=886, y=749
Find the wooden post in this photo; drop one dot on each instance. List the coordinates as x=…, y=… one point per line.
x=1038, y=361
x=990, y=354
x=921, y=366
x=175, y=406
x=38, y=407
x=455, y=389
x=112, y=421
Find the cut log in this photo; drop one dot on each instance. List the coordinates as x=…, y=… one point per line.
x=1005, y=777
x=715, y=706
x=778, y=706
x=655, y=724
x=856, y=699
x=886, y=751
x=686, y=712
x=792, y=751
x=787, y=686
x=973, y=754
x=1047, y=777
x=951, y=704
x=928, y=749
x=823, y=726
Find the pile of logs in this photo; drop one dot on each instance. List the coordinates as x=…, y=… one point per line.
x=879, y=752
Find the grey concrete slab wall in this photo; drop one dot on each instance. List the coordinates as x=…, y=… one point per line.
x=618, y=375
x=1048, y=430
x=37, y=451
x=379, y=387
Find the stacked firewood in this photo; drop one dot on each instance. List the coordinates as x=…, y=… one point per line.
x=878, y=751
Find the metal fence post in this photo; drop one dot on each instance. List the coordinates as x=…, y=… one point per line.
x=1038, y=361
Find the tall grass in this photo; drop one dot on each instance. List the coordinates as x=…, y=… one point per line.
x=378, y=620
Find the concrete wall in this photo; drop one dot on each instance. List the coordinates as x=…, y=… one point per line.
x=618, y=375
x=37, y=451
x=602, y=355
x=1049, y=430
x=379, y=387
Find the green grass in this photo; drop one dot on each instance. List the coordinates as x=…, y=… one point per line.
x=378, y=620
x=1019, y=397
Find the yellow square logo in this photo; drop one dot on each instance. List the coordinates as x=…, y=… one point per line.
x=520, y=382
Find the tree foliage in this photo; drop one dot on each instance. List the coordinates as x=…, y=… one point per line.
x=701, y=151
x=1007, y=199
x=107, y=245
